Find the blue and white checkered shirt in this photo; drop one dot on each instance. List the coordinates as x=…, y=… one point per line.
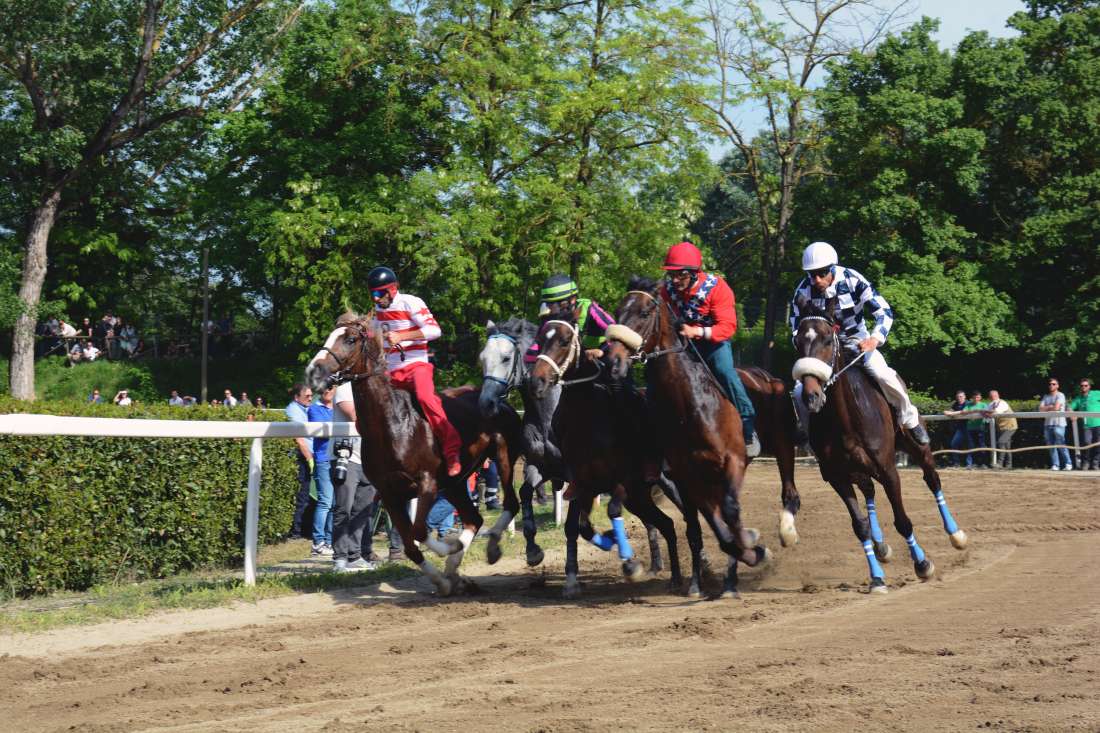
x=853, y=291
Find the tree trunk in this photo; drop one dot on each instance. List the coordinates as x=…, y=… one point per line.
x=30, y=292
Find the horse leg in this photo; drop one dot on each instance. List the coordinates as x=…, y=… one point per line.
x=535, y=554
x=922, y=454
x=656, y=563
x=891, y=482
x=861, y=526
x=511, y=504
x=883, y=551
x=694, y=532
x=572, y=530
x=641, y=503
x=783, y=450
x=395, y=508
x=471, y=522
x=632, y=567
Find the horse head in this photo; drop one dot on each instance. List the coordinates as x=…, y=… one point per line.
x=501, y=361
x=354, y=350
x=817, y=344
x=640, y=328
x=559, y=349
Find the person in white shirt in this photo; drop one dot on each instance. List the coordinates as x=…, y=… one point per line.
x=91, y=353
x=1006, y=428
x=230, y=400
x=408, y=326
x=122, y=399
x=1055, y=427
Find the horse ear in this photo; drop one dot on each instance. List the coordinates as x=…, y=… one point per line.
x=491, y=328
x=803, y=303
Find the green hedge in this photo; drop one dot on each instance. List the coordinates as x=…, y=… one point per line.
x=79, y=511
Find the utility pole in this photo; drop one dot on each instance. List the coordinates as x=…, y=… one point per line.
x=205, y=316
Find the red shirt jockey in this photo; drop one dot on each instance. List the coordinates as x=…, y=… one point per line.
x=705, y=305
x=407, y=322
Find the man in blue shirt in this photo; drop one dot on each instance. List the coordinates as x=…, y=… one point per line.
x=322, y=513
x=298, y=411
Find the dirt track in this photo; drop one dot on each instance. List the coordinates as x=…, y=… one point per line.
x=1006, y=638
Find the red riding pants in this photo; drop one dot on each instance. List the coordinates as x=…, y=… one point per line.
x=418, y=378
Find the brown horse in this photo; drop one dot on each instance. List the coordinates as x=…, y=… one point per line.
x=401, y=456
x=854, y=433
x=601, y=434
x=699, y=427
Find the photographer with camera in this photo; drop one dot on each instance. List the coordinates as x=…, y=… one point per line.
x=353, y=494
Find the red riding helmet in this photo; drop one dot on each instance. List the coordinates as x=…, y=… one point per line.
x=683, y=256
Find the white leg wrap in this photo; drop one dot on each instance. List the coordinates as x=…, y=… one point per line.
x=892, y=387
x=466, y=538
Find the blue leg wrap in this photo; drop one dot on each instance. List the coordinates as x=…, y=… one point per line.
x=602, y=541
x=872, y=517
x=872, y=561
x=915, y=551
x=617, y=526
x=949, y=525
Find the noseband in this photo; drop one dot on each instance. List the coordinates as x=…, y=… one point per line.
x=572, y=356
x=834, y=373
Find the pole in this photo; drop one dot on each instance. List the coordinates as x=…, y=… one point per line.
x=252, y=510
x=1076, y=443
x=205, y=316
x=557, y=505
x=994, y=463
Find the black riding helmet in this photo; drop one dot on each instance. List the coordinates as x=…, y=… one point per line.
x=381, y=277
x=557, y=288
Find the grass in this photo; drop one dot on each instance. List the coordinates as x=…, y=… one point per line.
x=281, y=574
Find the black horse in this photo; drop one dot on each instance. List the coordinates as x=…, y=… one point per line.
x=854, y=432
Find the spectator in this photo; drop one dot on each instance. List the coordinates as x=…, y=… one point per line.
x=230, y=400
x=189, y=401
x=1088, y=401
x=441, y=517
x=75, y=353
x=297, y=410
x=65, y=330
x=95, y=398
x=122, y=398
x=91, y=353
x=127, y=339
x=353, y=498
x=1054, y=428
x=321, y=411
x=1006, y=428
x=491, y=475
x=215, y=403
x=100, y=331
x=260, y=404
x=175, y=400
x=86, y=328
x=960, y=438
x=976, y=428
x=139, y=351
x=244, y=401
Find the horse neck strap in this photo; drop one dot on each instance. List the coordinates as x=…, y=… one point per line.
x=574, y=350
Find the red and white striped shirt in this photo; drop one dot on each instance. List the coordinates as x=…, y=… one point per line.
x=406, y=313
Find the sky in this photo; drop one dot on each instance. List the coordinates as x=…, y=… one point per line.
x=957, y=18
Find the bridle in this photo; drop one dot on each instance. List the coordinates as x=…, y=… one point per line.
x=836, y=351
x=573, y=355
x=517, y=363
x=341, y=375
x=644, y=356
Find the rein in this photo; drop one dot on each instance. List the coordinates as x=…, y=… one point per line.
x=644, y=356
x=572, y=356
x=836, y=350
x=340, y=376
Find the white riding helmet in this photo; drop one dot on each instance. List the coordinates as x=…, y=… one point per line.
x=818, y=255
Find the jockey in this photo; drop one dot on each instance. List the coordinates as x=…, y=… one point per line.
x=705, y=305
x=406, y=321
x=826, y=279
x=559, y=300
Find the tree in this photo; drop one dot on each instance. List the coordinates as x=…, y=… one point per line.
x=111, y=87
x=777, y=66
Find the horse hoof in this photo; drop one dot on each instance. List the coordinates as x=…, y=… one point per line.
x=654, y=572
x=535, y=556
x=633, y=569
x=925, y=569
x=751, y=535
x=878, y=586
x=571, y=592
x=693, y=590
x=766, y=557
x=492, y=551
x=788, y=535
x=444, y=587
x=730, y=595
x=959, y=540
x=883, y=551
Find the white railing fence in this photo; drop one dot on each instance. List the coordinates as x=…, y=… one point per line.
x=1072, y=421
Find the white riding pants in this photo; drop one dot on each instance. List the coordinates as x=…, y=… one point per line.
x=896, y=394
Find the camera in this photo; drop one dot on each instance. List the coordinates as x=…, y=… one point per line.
x=342, y=450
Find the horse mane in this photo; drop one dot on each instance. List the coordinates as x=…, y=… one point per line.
x=643, y=283
x=518, y=328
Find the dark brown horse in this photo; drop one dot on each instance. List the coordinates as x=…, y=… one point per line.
x=401, y=456
x=601, y=433
x=699, y=428
x=854, y=434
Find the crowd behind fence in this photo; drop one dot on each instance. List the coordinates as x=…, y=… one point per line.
x=1029, y=438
